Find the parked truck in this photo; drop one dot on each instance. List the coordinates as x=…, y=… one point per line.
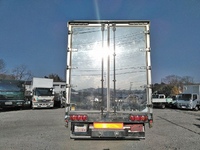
x=189, y=99
x=59, y=99
x=12, y=94
x=159, y=100
x=106, y=59
x=42, y=93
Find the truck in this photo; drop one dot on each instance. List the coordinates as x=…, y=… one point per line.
x=174, y=100
x=42, y=93
x=59, y=94
x=105, y=61
x=159, y=100
x=59, y=99
x=12, y=94
x=189, y=99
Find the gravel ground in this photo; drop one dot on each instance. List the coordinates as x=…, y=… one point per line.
x=44, y=129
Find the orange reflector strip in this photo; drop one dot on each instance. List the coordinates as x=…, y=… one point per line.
x=100, y=125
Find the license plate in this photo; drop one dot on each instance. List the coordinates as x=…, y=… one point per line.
x=183, y=106
x=8, y=103
x=80, y=128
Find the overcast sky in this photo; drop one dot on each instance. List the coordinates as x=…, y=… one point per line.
x=34, y=32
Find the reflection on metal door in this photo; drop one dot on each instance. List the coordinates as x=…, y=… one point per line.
x=108, y=68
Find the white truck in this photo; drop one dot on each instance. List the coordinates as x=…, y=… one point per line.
x=159, y=100
x=189, y=99
x=105, y=60
x=42, y=93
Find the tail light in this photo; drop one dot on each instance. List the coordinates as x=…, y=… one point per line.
x=52, y=100
x=138, y=118
x=78, y=117
x=34, y=100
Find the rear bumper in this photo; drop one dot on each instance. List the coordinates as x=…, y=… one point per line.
x=11, y=103
x=43, y=105
x=110, y=134
x=184, y=107
x=124, y=133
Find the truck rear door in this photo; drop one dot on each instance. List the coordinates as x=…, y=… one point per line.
x=108, y=67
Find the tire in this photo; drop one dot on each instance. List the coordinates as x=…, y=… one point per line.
x=196, y=108
x=163, y=106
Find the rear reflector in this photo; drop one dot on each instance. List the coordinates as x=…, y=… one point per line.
x=138, y=118
x=136, y=127
x=100, y=125
x=78, y=117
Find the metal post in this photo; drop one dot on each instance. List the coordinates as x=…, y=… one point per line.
x=108, y=69
x=102, y=69
x=114, y=79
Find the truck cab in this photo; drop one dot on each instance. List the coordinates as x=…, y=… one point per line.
x=188, y=101
x=42, y=93
x=12, y=94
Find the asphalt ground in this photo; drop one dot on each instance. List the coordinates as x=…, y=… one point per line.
x=43, y=129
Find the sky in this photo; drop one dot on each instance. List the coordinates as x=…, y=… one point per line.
x=34, y=32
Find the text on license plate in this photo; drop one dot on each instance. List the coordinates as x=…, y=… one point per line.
x=80, y=128
x=8, y=103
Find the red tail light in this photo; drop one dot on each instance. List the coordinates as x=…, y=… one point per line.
x=144, y=118
x=138, y=118
x=132, y=118
x=78, y=117
x=84, y=117
x=73, y=117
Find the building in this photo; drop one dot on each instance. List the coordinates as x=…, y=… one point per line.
x=59, y=86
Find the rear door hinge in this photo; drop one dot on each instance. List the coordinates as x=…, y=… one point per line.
x=71, y=67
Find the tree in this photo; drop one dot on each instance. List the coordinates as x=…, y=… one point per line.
x=21, y=73
x=178, y=81
x=55, y=77
x=187, y=80
x=175, y=91
x=166, y=89
x=172, y=84
x=3, y=72
x=2, y=66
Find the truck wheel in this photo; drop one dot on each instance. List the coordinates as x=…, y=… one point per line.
x=163, y=106
x=196, y=108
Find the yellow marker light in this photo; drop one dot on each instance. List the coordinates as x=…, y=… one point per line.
x=72, y=108
x=100, y=125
